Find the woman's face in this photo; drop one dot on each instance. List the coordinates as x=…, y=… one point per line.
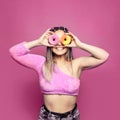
x=59, y=49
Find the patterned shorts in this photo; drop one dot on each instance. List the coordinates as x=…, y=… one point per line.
x=46, y=114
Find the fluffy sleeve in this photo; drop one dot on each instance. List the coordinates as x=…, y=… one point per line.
x=22, y=55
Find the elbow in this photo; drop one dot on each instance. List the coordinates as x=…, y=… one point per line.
x=10, y=51
x=106, y=57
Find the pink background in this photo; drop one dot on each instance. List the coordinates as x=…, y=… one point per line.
x=95, y=22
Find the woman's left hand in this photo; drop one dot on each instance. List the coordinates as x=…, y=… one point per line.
x=75, y=41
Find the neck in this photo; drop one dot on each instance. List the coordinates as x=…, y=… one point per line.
x=59, y=59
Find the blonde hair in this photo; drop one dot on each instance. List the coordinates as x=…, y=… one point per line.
x=49, y=63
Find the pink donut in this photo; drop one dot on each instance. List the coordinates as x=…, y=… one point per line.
x=53, y=39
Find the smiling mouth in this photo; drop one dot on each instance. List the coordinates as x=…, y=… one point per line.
x=59, y=48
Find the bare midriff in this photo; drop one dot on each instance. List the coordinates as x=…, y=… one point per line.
x=59, y=103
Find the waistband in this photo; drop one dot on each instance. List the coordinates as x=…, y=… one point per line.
x=61, y=114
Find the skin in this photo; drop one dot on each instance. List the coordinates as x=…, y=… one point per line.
x=64, y=103
x=59, y=50
x=61, y=103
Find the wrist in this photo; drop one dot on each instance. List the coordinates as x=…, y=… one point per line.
x=32, y=44
x=80, y=44
x=37, y=42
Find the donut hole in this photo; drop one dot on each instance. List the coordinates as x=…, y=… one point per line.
x=65, y=39
x=53, y=39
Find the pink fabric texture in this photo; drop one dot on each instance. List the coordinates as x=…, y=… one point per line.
x=60, y=83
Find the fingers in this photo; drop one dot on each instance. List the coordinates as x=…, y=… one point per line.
x=71, y=35
x=48, y=33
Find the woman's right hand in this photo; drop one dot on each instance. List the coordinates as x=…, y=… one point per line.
x=43, y=40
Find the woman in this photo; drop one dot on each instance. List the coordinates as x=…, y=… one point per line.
x=58, y=72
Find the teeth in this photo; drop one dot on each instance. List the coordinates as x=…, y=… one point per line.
x=59, y=48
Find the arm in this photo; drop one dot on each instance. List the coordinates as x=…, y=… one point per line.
x=98, y=55
x=20, y=52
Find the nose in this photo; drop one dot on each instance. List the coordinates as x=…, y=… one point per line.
x=59, y=43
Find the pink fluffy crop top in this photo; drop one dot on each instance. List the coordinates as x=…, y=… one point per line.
x=60, y=83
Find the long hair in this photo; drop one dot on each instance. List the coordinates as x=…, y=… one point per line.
x=49, y=63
